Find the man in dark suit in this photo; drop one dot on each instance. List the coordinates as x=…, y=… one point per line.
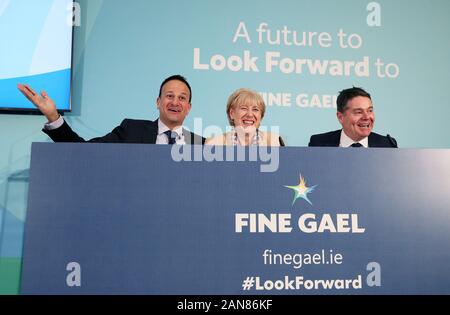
x=173, y=103
x=356, y=115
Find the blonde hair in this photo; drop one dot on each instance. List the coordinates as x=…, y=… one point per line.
x=244, y=96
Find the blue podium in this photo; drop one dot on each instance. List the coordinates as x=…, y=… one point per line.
x=137, y=219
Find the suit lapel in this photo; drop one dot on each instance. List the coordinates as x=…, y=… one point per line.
x=192, y=138
x=335, y=138
x=188, y=137
x=151, y=132
x=374, y=141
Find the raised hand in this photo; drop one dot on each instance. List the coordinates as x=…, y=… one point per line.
x=43, y=102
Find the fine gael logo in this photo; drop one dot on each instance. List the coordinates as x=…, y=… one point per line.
x=301, y=191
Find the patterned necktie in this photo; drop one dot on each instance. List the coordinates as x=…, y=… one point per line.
x=356, y=145
x=171, y=136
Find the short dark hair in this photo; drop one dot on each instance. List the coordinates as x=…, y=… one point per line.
x=347, y=95
x=178, y=78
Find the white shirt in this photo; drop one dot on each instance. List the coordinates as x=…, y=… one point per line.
x=346, y=141
x=161, y=138
x=54, y=125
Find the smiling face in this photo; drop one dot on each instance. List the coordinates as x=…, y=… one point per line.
x=173, y=104
x=358, y=118
x=247, y=115
x=245, y=109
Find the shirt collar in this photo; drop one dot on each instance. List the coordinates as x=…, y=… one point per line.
x=163, y=128
x=346, y=141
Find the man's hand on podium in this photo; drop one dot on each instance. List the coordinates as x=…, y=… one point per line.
x=43, y=102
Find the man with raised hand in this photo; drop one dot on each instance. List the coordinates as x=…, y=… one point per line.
x=173, y=103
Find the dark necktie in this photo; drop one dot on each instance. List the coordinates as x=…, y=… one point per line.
x=357, y=145
x=171, y=136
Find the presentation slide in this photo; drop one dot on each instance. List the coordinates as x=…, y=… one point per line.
x=36, y=49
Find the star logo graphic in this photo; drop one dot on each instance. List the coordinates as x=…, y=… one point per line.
x=301, y=191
